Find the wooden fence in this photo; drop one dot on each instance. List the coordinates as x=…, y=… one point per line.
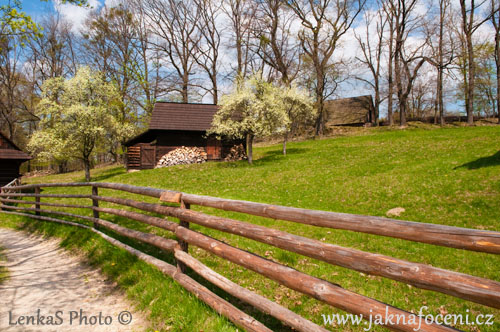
x=468, y=287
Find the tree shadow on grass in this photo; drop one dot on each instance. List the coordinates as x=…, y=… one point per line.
x=274, y=155
x=109, y=174
x=493, y=160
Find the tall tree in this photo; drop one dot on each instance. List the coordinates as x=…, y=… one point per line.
x=372, y=48
x=242, y=17
x=177, y=37
x=77, y=118
x=324, y=22
x=495, y=20
x=442, y=54
x=209, y=47
x=253, y=109
x=390, y=62
x=407, y=59
x=279, y=47
x=12, y=83
x=469, y=25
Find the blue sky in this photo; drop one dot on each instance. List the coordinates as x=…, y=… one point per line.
x=36, y=8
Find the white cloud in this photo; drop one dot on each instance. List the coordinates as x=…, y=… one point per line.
x=76, y=14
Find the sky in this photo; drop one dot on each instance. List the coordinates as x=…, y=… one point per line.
x=75, y=14
x=348, y=46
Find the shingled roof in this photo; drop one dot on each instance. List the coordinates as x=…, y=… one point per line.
x=8, y=150
x=181, y=116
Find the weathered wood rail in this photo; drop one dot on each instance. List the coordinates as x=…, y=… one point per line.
x=468, y=287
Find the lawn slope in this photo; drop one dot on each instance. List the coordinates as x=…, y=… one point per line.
x=445, y=176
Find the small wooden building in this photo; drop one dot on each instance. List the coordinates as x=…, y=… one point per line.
x=350, y=111
x=174, y=125
x=11, y=158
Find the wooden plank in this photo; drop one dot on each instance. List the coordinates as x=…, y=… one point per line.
x=285, y=315
x=18, y=201
x=150, y=220
x=95, y=204
x=479, y=290
x=183, y=245
x=171, y=197
x=37, y=200
x=158, y=241
x=221, y=306
x=448, y=236
x=317, y=288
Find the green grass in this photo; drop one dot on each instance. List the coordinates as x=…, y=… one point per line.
x=445, y=176
x=3, y=269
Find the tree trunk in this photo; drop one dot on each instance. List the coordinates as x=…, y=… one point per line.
x=470, y=87
x=320, y=120
x=440, y=97
x=390, y=78
x=497, y=61
x=285, y=139
x=86, y=163
x=250, y=147
x=402, y=114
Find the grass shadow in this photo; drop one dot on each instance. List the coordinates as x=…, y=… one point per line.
x=493, y=160
x=275, y=155
x=109, y=174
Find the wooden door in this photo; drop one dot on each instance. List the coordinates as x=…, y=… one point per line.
x=214, y=148
x=148, y=157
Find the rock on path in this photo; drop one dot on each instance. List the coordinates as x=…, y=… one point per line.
x=43, y=276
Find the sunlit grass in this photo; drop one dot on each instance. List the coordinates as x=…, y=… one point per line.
x=444, y=176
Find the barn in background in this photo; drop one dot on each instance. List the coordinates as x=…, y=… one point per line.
x=350, y=111
x=11, y=158
x=174, y=125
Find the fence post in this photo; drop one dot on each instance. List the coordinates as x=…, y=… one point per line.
x=181, y=267
x=95, y=204
x=37, y=200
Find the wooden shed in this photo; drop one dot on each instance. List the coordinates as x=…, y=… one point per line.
x=174, y=125
x=350, y=111
x=11, y=158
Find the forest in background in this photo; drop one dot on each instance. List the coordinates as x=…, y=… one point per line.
x=416, y=58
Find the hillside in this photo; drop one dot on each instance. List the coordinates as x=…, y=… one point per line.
x=445, y=176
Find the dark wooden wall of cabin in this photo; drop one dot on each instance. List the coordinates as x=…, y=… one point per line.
x=171, y=140
x=9, y=170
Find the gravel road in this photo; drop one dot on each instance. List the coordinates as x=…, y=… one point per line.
x=50, y=290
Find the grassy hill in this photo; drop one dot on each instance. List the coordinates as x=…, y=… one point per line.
x=445, y=176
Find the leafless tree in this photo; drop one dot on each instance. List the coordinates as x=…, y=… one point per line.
x=242, y=17
x=12, y=84
x=52, y=54
x=279, y=47
x=371, y=55
x=442, y=53
x=390, y=61
x=495, y=20
x=178, y=37
x=209, y=46
x=324, y=22
x=407, y=59
x=469, y=25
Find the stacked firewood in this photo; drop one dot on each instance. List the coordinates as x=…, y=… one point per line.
x=237, y=152
x=183, y=156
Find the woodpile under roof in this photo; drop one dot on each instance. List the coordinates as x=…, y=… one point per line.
x=349, y=111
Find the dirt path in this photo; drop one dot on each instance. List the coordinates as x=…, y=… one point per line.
x=42, y=276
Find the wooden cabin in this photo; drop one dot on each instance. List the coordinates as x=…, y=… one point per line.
x=11, y=158
x=350, y=111
x=174, y=125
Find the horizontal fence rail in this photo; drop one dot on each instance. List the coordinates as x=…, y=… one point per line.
x=472, y=288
